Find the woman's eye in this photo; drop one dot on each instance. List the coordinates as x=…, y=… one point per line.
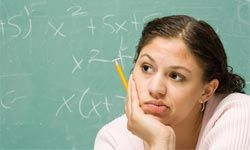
x=146, y=68
x=176, y=76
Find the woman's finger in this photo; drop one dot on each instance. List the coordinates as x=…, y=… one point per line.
x=135, y=105
x=128, y=99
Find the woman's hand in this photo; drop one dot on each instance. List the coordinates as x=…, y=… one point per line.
x=155, y=134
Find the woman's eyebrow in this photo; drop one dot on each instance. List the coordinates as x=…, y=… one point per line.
x=173, y=67
x=182, y=68
x=148, y=56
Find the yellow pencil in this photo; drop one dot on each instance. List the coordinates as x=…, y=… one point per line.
x=121, y=74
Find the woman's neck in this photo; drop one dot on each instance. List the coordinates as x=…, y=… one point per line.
x=187, y=132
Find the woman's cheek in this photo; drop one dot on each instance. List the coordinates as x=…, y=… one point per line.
x=142, y=92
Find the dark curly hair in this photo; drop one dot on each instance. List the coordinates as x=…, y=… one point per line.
x=204, y=44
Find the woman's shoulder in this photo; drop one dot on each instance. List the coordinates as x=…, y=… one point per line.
x=229, y=106
x=115, y=128
x=118, y=123
x=220, y=105
x=226, y=123
x=236, y=98
x=234, y=103
x=115, y=135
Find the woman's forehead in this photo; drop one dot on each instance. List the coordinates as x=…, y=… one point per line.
x=170, y=52
x=167, y=47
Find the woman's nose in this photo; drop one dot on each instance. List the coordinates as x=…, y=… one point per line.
x=157, y=87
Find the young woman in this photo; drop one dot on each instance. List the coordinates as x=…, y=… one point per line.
x=182, y=93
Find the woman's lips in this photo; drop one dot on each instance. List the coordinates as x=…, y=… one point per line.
x=155, y=107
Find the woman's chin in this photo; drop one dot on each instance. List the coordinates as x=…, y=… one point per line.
x=159, y=118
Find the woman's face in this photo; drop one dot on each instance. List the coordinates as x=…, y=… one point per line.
x=169, y=81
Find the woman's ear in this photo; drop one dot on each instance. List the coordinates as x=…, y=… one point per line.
x=209, y=90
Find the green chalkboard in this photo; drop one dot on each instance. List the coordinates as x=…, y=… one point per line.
x=58, y=84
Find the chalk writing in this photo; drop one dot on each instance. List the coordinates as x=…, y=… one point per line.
x=91, y=26
x=105, y=22
x=65, y=102
x=78, y=64
x=95, y=56
x=3, y=105
x=108, y=22
x=77, y=11
x=107, y=104
x=94, y=108
x=135, y=22
x=240, y=11
x=2, y=26
x=150, y=16
x=57, y=30
x=9, y=98
x=81, y=103
x=120, y=55
x=30, y=23
x=121, y=26
x=12, y=23
x=62, y=53
x=18, y=32
x=33, y=5
x=15, y=75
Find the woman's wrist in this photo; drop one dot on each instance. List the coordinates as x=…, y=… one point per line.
x=160, y=144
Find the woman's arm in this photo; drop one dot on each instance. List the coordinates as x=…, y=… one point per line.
x=104, y=141
x=155, y=134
